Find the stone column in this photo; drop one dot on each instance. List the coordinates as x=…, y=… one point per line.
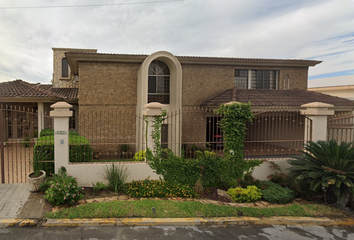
x=152, y=110
x=318, y=112
x=61, y=116
x=40, y=117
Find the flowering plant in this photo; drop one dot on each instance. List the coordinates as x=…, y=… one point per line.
x=63, y=190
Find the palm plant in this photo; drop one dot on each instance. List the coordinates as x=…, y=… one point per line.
x=326, y=165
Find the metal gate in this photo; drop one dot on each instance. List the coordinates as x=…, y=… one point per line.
x=340, y=127
x=18, y=136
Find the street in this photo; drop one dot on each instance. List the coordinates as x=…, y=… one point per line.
x=172, y=233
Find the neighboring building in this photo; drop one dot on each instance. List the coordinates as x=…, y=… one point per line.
x=342, y=86
x=97, y=82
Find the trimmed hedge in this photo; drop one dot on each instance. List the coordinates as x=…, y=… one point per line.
x=275, y=193
x=80, y=149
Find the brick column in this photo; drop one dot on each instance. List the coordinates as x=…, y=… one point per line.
x=318, y=112
x=61, y=116
x=152, y=110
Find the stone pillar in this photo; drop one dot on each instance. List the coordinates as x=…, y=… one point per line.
x=318, y=113
x=61, y=116
x=152, y=110
x=40, y=117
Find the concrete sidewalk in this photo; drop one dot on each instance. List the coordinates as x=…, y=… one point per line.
x=18, y=204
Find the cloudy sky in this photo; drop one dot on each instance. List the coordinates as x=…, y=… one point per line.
x=300, y=29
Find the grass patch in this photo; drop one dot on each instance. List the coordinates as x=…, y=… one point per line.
x=171, y=209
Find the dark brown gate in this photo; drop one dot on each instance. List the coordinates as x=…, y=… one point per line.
x=18, y=136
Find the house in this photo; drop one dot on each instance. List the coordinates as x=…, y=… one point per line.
x=108, y=93
x=342, y=86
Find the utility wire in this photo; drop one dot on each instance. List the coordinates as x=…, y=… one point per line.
x=91, y=5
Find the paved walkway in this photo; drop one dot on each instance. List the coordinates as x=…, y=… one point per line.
x=16, y=201
x=13, y=197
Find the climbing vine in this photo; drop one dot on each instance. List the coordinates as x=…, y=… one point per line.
x=234, y=119
x=154, y=157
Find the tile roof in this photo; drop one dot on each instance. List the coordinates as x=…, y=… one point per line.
x=19, y=88
x=275, y=97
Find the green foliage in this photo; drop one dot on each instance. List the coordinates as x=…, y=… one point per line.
x=80, y=149
x=325, y=165
x=213, y=171
x=25, y=142
x=124, y=148
x=274, y=193
x=249, y=194
x=158, y=188
x=46, y=132
x=139, y=156
x=233, y=123
x=37, y=161
x=98, y=186
x=63, y=189
x=116, y=175
x=247, y=180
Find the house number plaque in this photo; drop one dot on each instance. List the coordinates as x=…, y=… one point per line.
x=61, y=132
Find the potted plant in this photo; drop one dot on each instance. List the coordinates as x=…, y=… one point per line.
x=36, y=177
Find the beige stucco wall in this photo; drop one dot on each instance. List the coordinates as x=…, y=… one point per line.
x=337, y=91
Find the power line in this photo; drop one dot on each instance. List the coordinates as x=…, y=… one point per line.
x=91, y=5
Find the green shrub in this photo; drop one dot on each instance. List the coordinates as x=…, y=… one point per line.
x=275, y=193
x=116, y=175
x=158, y=188
x=63, y=189
x=80, y=150
x=46, y=132
x=98, y=186
x=249, y=194
x=139, y=156
x=326, y=165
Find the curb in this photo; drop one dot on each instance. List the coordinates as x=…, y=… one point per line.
x=197, y=221
x=12, y=222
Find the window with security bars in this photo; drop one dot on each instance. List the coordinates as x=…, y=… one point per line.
x=263, y=79
x=159, y=82
x=241, y=79
x=255, y=79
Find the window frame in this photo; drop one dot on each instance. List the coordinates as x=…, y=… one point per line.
x=156, y=76
x=61, y=70
x=249, y=77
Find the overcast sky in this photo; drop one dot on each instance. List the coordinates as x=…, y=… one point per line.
x=301, y=29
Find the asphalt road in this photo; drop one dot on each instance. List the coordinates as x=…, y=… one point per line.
x=174, y=233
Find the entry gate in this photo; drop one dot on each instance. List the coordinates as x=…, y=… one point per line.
x=18, y=136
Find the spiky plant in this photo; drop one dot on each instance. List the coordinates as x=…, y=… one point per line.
x=326, y=165
x=116, y=175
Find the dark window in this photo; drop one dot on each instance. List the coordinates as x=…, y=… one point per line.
x=64, y=68
x=263, y=79
x=241, y=79
x=159, y=83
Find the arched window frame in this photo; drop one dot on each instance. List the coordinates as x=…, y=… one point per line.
x=64, y=66
x=159, y=82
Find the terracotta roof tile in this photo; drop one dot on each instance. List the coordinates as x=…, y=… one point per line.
x=19, y=88
x=272, y=97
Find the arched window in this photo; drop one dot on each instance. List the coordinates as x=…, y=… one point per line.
x=64, y=68
x=159, y=82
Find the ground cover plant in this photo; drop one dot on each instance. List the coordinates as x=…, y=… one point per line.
x=249, y=194
x=173, y=209
x=274, y=193
x=158, y=188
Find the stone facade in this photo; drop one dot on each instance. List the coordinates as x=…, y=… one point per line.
x=58, y=55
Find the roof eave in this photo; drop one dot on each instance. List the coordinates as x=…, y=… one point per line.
x=75, y=58
x=249, y=62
